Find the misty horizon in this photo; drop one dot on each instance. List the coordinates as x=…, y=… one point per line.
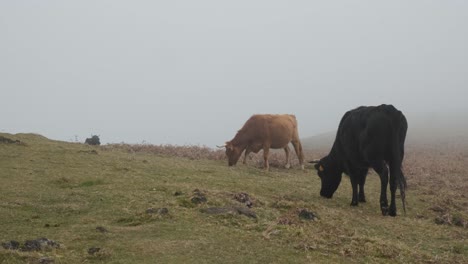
x=194, y=72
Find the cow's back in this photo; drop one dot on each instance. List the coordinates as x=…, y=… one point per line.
x=374, y=125
x=275, y=130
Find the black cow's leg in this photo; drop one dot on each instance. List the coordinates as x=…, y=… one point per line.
x=362, y=182
x=393, y=187
x=382, y=170
x=354, y=185
x=358, y=179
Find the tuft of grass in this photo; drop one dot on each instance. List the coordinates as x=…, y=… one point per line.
x=91, y=183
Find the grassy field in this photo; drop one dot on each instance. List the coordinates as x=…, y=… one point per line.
x=105, y=205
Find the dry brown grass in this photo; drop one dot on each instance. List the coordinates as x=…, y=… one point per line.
x=192, y=152
x=277, y=158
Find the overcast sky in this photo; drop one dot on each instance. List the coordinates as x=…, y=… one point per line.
x=192, y=72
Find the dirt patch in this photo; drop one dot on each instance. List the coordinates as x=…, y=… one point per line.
x=12, y=244
x=101, y=229
x=449, y=219
x=31, y=245
x=229, y=210
x=39, y=244
x=159, y=211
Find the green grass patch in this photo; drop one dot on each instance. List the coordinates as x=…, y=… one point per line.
x=66, y=191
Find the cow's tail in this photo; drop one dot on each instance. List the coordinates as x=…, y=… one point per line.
x=399, y=136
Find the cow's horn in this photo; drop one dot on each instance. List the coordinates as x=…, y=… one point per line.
x=221, y=146
x=314, y=161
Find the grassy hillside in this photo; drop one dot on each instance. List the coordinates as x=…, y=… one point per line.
x=106, y=205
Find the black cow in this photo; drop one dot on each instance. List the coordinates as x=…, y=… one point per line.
x=367, y=137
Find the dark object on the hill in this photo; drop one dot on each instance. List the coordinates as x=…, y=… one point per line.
x=12, y=245
x=177, y=193
x=101, y=229
x=226, y=210
x=94, y=140
x=307, y=215
x=39, y=244
x=244, y=198
x=8, y=141
x=367, y=137
x=198, y=197
x=93, y=250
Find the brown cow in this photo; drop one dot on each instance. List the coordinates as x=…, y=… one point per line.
x=265, y=132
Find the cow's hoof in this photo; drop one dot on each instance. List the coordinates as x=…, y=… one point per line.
x=384, y=211
x=392, y=213
x=354, y=203
x=287, y=166
x=362, y=199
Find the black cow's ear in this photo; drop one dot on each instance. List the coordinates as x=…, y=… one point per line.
x=317, y=166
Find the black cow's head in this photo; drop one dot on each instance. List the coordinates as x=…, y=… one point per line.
x=330, y=175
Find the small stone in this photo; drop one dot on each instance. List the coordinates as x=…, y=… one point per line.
x=93, y=250
x=307, y=215
x=244, y=198
x=101, y=229
x=198, y=199
x=150, y=211
x=163, y=211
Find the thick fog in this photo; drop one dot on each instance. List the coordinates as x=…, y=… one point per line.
x=192, y=72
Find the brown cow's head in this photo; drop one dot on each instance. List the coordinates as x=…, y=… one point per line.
x=233, y=153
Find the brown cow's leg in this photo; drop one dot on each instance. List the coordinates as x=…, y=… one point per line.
x=298, y=148
x=266, y=151
x=247, y=151
x=288, y=157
